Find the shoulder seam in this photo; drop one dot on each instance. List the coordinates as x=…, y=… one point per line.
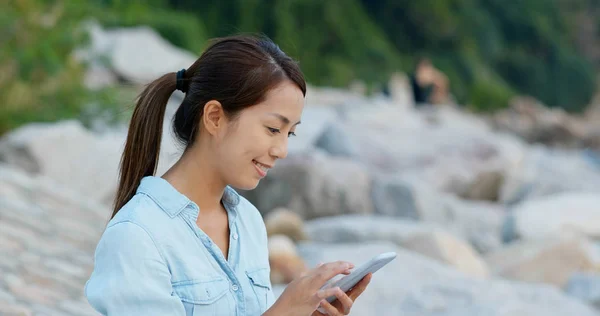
x=149, y=235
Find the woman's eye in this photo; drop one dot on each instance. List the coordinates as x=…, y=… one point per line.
x=290, y=134
x=273, y=130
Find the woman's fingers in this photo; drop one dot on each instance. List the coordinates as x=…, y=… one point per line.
x=344, y=302
x=330, y=309
x=360, y=287
x=327, y=271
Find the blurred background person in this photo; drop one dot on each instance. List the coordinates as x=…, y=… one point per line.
x=429, y=85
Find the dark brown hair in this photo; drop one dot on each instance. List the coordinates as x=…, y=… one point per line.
x=237, y=71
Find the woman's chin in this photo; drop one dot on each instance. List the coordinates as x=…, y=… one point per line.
x=247, y=185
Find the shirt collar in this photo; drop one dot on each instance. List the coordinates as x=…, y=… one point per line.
x=173, y=202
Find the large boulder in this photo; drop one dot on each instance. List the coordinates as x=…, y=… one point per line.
x=415, y=285
x=282, y=221
x=549, y=261
x=536, y=123
x=478, y=222
x=429, y=240
x=120, y=47
x=68, y=153
x=544, y=172
x=80, y=158
x=443, y=147
x=313, y=184
x=561, y=214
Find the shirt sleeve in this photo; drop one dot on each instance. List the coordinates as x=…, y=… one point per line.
x=130, y=276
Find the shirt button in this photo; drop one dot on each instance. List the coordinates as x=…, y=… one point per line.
x=235, y=236
x=234, y=287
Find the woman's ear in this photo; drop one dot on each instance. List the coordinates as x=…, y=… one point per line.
x=213, y=116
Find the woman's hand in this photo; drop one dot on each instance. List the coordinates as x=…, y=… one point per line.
x=304, y=295
x=344, y=301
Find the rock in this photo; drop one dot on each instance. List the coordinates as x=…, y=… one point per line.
x=549, y=261
x=593, y=157
x=286, y=264
x=592, y=138
x=414, y=285
x=536, y=123
x=361, y=228
x=49, y=233
x=15, y=309
x=565, y=213
x=400, y=90
x=282, y=221
x=120, y=46
x=593, y=111
x=586, y=287
x=74, y=156
x=545, y=172
x=380, y=113
x=335, y=142
x=486, y=186
x=314, y=185
x=97, y=77
x=315, y=121
x=452, y=118
x=478, y=222
x=429, y=240
x=450, y=250
x=67, y=153
x=328, y=96
x=458, y=147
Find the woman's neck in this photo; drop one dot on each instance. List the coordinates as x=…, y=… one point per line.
x=198, y=181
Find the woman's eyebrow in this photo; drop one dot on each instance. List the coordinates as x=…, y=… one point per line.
x=283, y=119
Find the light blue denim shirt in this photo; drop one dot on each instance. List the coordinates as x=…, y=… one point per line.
x=152, y=259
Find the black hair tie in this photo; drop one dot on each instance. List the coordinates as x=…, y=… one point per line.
x=180, y=83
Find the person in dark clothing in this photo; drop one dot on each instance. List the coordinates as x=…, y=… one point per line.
x=428, y=84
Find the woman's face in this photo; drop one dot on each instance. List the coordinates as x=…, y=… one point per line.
x=258, y=137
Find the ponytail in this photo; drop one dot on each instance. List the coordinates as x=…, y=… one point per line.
x=142, y=148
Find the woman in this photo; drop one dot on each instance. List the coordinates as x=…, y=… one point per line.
x=186, y=243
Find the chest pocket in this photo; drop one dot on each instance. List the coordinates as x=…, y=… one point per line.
x=206, y=297
x=261, y=284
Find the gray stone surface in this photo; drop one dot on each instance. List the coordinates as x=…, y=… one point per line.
x=430, y=240
x=568, y=213
x=585, y=286
x=414, y=285
x=314, y=184
x=48, y=234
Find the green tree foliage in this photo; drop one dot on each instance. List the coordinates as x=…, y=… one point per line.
x=335, y=40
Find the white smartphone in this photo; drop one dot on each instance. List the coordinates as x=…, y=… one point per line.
x=347, y=282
